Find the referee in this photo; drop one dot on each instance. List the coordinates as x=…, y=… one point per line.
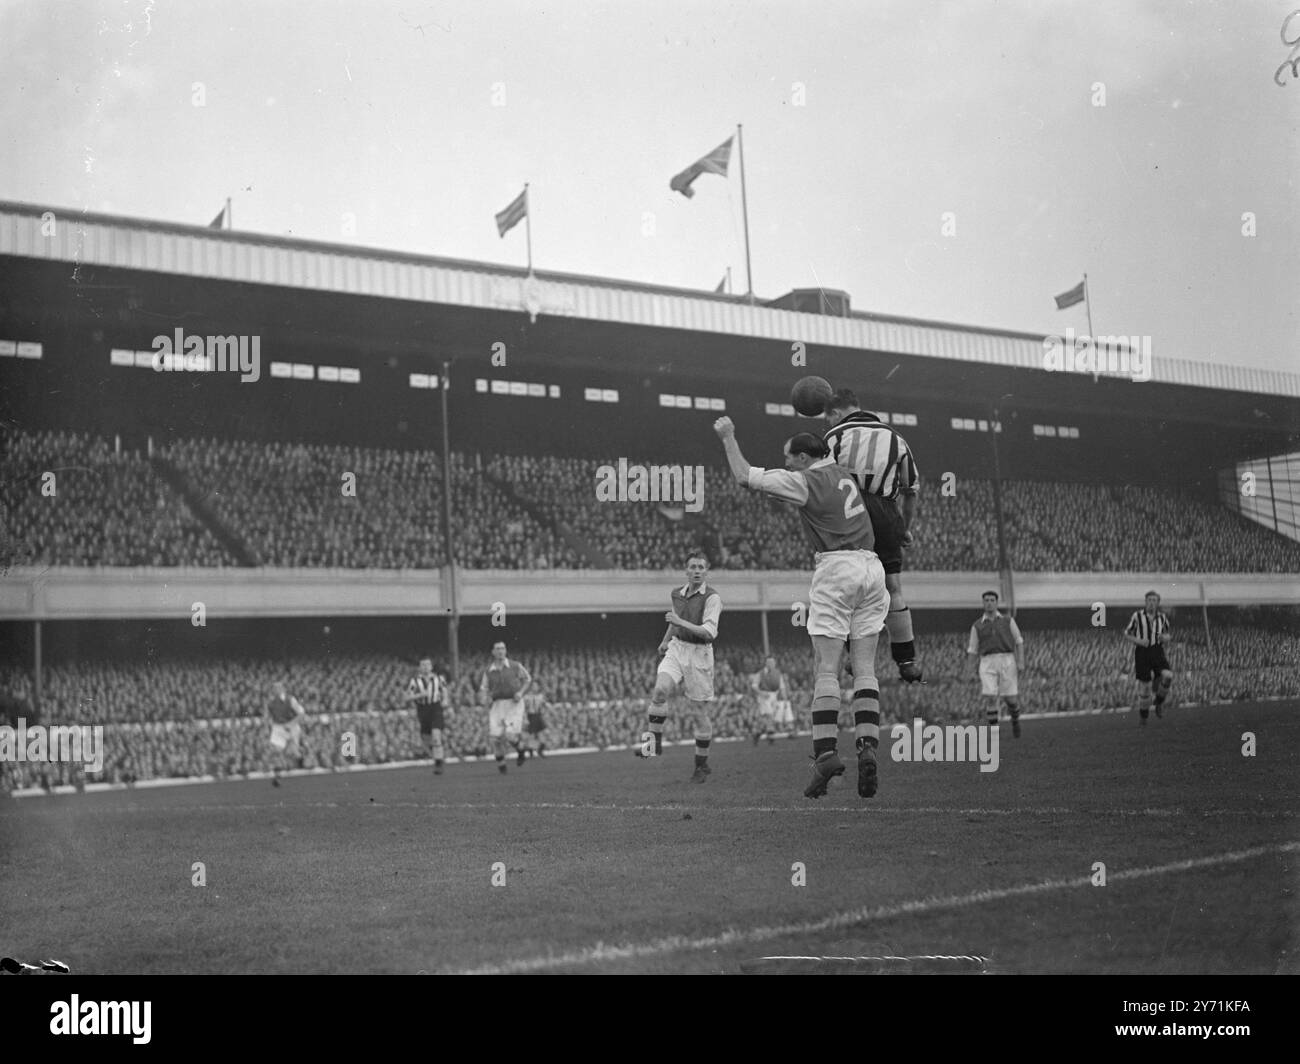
x=882, y=464
x=428, y=690
x=1148, y=631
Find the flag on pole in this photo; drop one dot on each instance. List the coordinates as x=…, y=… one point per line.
x=722, y=285
x=514, y=214
x=219, y=222
x=713, y=163
x=1070, y=298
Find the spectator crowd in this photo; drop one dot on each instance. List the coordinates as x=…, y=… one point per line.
x=187, y=718
x=358, y=508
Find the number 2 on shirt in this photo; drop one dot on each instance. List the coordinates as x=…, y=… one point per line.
x=851, y=508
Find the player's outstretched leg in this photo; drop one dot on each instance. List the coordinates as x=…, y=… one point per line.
x=657, y=713
x=866, y=712
x=499, y=742
x=1161, y=687
x=1144, y=702
x=902, y=642
x=703, y=737
x=825, y=715
x=436, y=750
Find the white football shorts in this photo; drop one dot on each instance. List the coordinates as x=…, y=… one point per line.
x=691, y=667
x=848, y=598
x=506, y=717
x=998, y=675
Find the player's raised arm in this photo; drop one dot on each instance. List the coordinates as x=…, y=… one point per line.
x=779, y=483
x=527, y=679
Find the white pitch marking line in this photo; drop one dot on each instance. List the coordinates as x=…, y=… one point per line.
x=615, y=807
x=856, y=917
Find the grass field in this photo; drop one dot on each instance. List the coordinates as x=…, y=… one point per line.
x=615, y=865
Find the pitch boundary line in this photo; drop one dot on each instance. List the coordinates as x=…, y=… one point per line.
x=856, y=917
x=702, y=810
x=469, y=759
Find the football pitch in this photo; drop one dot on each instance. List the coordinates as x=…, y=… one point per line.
x=605, y=864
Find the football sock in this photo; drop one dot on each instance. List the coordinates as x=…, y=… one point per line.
x=825, y=715
x=657, y=730
x=866, y=716
x=703, y=736
x=992, y=714
x=902, y=645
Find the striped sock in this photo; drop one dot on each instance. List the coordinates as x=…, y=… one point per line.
x=702, y=740
x=657, y=730
x=825, y=715
x=866, y=717
x=902, y=644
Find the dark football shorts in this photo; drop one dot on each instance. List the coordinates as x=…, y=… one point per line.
x=1148, y=662
x=431, y=717
x=536, y=724
x=887, y=525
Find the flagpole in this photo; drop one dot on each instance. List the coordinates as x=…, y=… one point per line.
x=230, y=218
x=528, y=224
x=744, y=210
x=1092, y=336
x=729, y=286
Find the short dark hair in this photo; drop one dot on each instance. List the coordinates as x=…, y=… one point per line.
x=843, y=399
x=1150, y=593
x=993, y=593
x=809, y=444
x=697, y=554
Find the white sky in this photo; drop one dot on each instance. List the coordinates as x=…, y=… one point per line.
x=385, y=109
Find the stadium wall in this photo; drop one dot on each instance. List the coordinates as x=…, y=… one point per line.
x=72, y=594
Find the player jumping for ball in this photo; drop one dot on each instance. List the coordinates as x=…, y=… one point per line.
x=686, y=652
x=847, y=599
x=885, y=472
x=1148, y=631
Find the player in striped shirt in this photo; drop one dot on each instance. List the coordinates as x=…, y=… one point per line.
x=1148, y=631
x=882, y=464
x=847, y=598
x=427, y=690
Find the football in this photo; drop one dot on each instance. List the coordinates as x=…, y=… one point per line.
x=809, y=396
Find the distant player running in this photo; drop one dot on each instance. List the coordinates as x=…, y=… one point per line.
x=773, y=700
x=848, y=599
x=427, y=690
x=1000, y=647
x=504, y=685
x=686, y=652
x=534, y=708
x=1148, y=631
x=285, y=715
x=885, y=472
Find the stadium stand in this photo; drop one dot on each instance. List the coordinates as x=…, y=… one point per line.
x=284, y=504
